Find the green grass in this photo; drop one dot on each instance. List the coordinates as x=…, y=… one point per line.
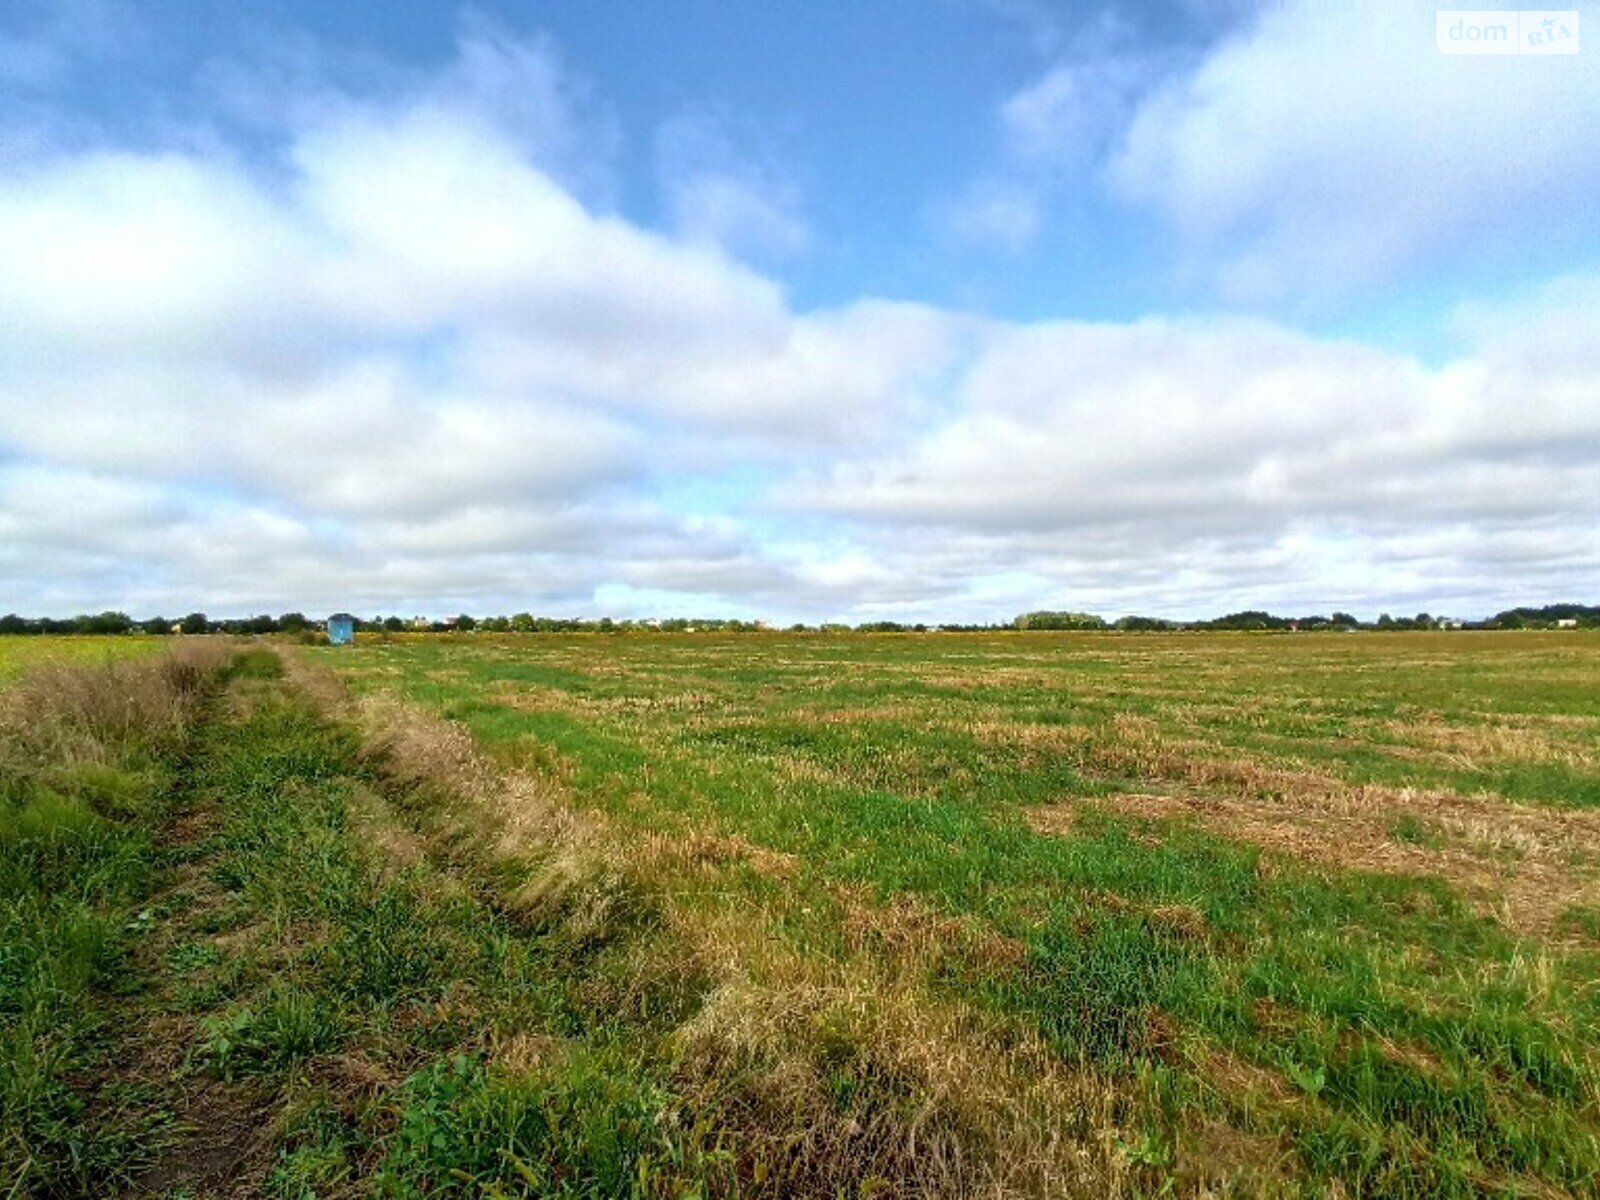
x=89, y=768
x=1420, y=1045
x=245, y=919
x=771, y=916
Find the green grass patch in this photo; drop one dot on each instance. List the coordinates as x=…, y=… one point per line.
x=82, y=798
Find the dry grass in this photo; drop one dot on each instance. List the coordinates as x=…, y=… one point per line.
x=67, y=714
x=1524, y=865
x=906, y=931
x=704, y=852
x=1473, y=746
x=942, y=1101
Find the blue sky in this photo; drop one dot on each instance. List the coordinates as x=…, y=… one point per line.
x=933, y=310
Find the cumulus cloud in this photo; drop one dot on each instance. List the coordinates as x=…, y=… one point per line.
x=1238, y=450
x=413, y=361
x=1388, y=153
x=414, y=345
x=1298, y=152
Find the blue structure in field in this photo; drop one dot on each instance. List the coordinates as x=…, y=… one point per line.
x=341, y=629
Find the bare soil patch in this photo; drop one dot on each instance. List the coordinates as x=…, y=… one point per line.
x=222, y=1140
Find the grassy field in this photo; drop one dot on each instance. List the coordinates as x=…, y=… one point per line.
x=823, y=915
x=20, y=654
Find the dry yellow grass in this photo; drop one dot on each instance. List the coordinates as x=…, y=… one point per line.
x=67, y=712
x=1522, y=864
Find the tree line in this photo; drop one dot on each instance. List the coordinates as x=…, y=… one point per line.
x=1549, y=616
x=119, y=622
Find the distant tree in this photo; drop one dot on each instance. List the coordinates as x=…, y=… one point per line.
x=155, y=625
x=1059, y=620
x=1134, y=624
x=195, y=622
x=1344, y=619
x=12, y=623
x=522, y=623
x=1526, y=618
x=1251, y=618
x=106, y=622
x=293, y=622
x=393, y=624
x=466, y=622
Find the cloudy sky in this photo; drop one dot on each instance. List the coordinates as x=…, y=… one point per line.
x=912, y=309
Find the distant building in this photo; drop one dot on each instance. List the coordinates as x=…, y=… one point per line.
x=1567, y=623
x=341, y=629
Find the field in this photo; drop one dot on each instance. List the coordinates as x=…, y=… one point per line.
x=20, y=654
x=1011, y=914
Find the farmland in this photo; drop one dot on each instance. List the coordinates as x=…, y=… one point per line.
x=1004, y=914
x=19, y=654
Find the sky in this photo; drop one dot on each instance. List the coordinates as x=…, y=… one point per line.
x=919, y=310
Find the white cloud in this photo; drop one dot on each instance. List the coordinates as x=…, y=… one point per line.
x=1055, y=132
x=552, y=111
x=1388, y=153
x=1100, y=455
x=414, y=367
x=415, y=347
x=735, y=213
x=1067, y=118
x=113, y=251
x=1306, y=152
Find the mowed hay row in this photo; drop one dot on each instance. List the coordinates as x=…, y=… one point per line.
x=822, y=1075
x=1063, y=853
x=1527, y=864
